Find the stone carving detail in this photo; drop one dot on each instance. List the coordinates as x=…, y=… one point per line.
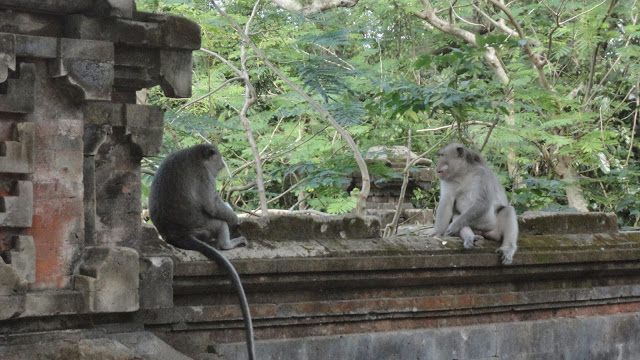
x=175, y=77
x=19, y=93
x=16, y=209
x=12, y=292
x=22, y=257
x=108, y=279
x=145, y=125
x=17, y=156
x=94, y=137
x=151, y=49
x=7, y=55
x=85, y=67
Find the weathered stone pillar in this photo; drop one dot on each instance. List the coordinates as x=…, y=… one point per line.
x=71, y=142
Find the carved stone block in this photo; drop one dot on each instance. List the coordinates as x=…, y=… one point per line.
x=36, y=24
x=12, y=292
x=102, y=113
x=16, y=209
x=85, y=68
x=19, y=96
x=175, y=73
x=177, y=32
x=118, y=31
x=17, y=156
x=84, y=79
x=7, y=55
x=145, y=124
x=22, y=257
x=108, y=279
x=36, y=46
x=115, y=8
x=94, y=136
x=156, y=282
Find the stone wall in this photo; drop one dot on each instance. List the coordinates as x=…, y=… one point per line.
x=585, y=338
x=315, y=297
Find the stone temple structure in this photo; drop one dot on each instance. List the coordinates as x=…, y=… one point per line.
x=82, y=278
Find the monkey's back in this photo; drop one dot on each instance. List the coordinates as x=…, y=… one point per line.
x=179, y=188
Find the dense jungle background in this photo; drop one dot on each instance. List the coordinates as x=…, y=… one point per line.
x=546, y=90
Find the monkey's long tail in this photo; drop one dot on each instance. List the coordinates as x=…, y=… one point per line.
x=215, y=255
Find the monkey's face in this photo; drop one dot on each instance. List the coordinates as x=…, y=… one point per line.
x=442, y=167
x=212, y=159
x=450, y=159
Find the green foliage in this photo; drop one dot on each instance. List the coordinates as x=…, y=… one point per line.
x=380, y=72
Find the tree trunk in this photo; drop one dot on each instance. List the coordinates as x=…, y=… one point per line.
x=575, y=198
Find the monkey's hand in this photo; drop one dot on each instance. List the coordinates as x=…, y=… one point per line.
x=453, y=229
x=435, y=232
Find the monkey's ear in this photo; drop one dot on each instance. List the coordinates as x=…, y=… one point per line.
x=460, y=150
x=209, y=152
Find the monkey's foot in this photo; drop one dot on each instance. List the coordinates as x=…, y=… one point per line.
x=507, y=254
x=469, y=241
x=234, y=243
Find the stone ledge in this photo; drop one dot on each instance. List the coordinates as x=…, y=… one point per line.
x=292, y=227
x=427, y=306
x=87, y=344
x=543, y=223
x=342, y=286
x=410, y=252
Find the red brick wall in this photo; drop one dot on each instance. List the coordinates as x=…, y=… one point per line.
x=57, y=183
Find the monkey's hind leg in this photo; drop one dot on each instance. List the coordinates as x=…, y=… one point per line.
x=508, y=223
x=223, y=235
x=469, y=236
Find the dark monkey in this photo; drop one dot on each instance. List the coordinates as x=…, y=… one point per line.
x=473, y=203
x=185, y=207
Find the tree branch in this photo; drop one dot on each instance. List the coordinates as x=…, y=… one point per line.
x=366, y=182
x=312, y=6
x=538, y=62
x=237, y=78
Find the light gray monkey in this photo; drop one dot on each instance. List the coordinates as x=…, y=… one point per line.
x=473, y=203
x=185, y=207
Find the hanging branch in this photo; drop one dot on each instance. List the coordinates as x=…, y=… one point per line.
x=452, y=126
x=393, y=226
x=633, y=128
x=366, y=182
